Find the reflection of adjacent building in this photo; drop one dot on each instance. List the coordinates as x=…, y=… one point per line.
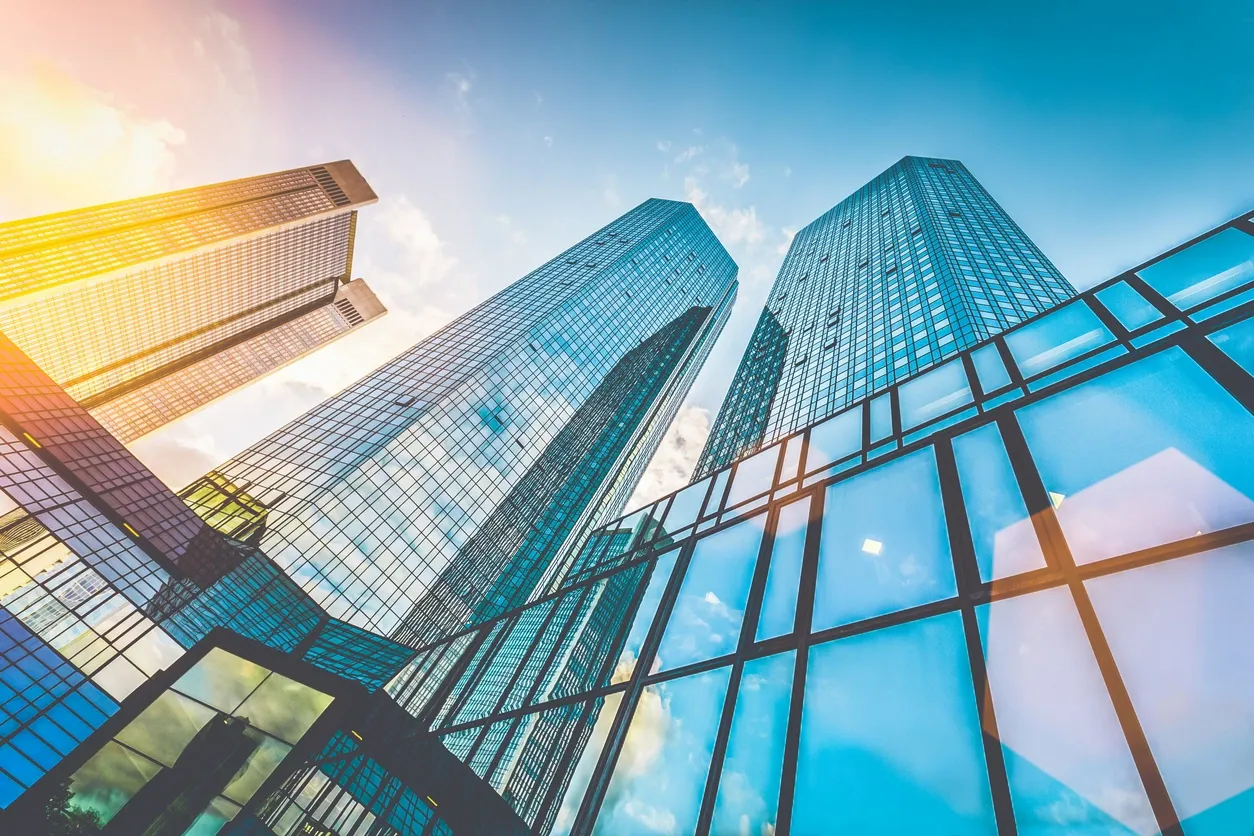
x=149, y=308
x=401, y=483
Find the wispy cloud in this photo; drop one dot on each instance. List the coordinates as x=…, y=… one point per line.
x=788, y=234
x=512, y=230
x=676, y=457
x=732, y=226
x=460, y=84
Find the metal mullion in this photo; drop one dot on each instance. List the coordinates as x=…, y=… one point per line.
x=445, y=689
x=801, y=631
x=748, y=629
x=475, y=677
x=1222, y=368
x=967, y=573
x=1113, y=325
x=570, y=755
x=1169, y=551
x=1168, y=310
x=1034, y=492
x=601, y=775
x=535, y=709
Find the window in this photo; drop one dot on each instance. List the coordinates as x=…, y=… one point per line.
x=1128, y=306
x=936, y=393
x=1203, y=271
x=1057, y=338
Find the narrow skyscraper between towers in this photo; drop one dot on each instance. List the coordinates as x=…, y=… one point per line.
x=915, y=266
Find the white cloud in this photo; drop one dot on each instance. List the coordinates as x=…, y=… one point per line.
x=676, y=457
x=739, y=174
x=461, y=84
x=689, y=153
x=663, y=145
x=658, y=821
x=65, y=144
x=512, y=231
x=789, y=234
x=732, y=226
x=788, y=171
x=178, y=459
x=422, y=251
x=548, y=142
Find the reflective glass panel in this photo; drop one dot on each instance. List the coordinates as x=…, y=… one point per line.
x=644, y=616
x=1180, y=632
x=1237, y=341
x=884, y=546
x=748, y=789
x=166, y=726
x=1205, y=270
x=938, y=392
x=753, y=476
x=686, y=505
x=221, y=679
x=711, y=605
x=1144, y=455
x=109, y=779
x=660, y=774
x=1056, y=338
x=783, y=577
x=990, y=368
x=261, y=763
x=1068, y=763
x=284, y=707
x=1128, y=306
x=582, y=776
x=834, y=439
x=1001, y=529
x=890, y=736
x=792, y=457
x=715, y=503
x=881, y=417
x=211, y=821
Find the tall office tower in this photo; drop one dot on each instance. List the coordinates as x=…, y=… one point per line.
x=149, y=308
x=915, y=266
x=458, y=478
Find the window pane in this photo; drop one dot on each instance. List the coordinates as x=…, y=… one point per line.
x=711, y=604
x=1001, y=529
x=582, y=775
x=644, y=615
x=940, y=391
x=881, y=417
x=1054, y=339
x=990, y=369
x=834, y=439
x=890, y=736
x=1237, y=341
x=1128, y=306
x=109, y=779
x=1066, y=757
x=884, y=546
x=783, y=578
x=1180, y=632
x=715, y=503
x=660, y=774
x=754, y=476
x=284, y=707
x=748, y=789
x=163, y=729
x=221, y=679
x=1204, y=270
x=686, y=506
x=1144, y=455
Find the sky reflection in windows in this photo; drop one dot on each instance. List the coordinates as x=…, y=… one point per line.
x=890, y=736
x=779, y=600
x=711, y=605
x=884, y=545
x=1144, y=455
x=644, y=615
x=1204, y=270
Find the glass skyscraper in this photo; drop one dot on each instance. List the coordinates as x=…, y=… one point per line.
x=149, y=308
x=452, y=481
x=912, y=268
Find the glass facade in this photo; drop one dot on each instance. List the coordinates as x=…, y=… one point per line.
x=454, y=481
x=1019, y=609
x=912, y=268
x=149, y=308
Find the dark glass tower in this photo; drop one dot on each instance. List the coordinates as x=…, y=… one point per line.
x=915, y=266
x=449, y=483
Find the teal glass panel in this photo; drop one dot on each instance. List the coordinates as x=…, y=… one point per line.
x=1237, y=341
x=1180, y=633
x=881, y=417
x=215, y=817
x=659, y=778
x=1129, y=307
x=783, y=576
x=890, y=736
x=834, y=439
x=1066, y=757
x=748, y=789
x=754, y=476
x=582, y=775
x=1055, y=338
x=260, y=766
x=708, y=613
x=1203, y=271
x=990, y=369
x=884, y=546
x=1001, y=528
x=686, y=506
x=931, y=395
x=1144, y=455
x=644, y=615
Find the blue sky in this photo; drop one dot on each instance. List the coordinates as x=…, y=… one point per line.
x=496, y=134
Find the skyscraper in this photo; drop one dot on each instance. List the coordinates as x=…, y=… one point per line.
x=915, y=266
x=450, y=483
x=149, y=308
